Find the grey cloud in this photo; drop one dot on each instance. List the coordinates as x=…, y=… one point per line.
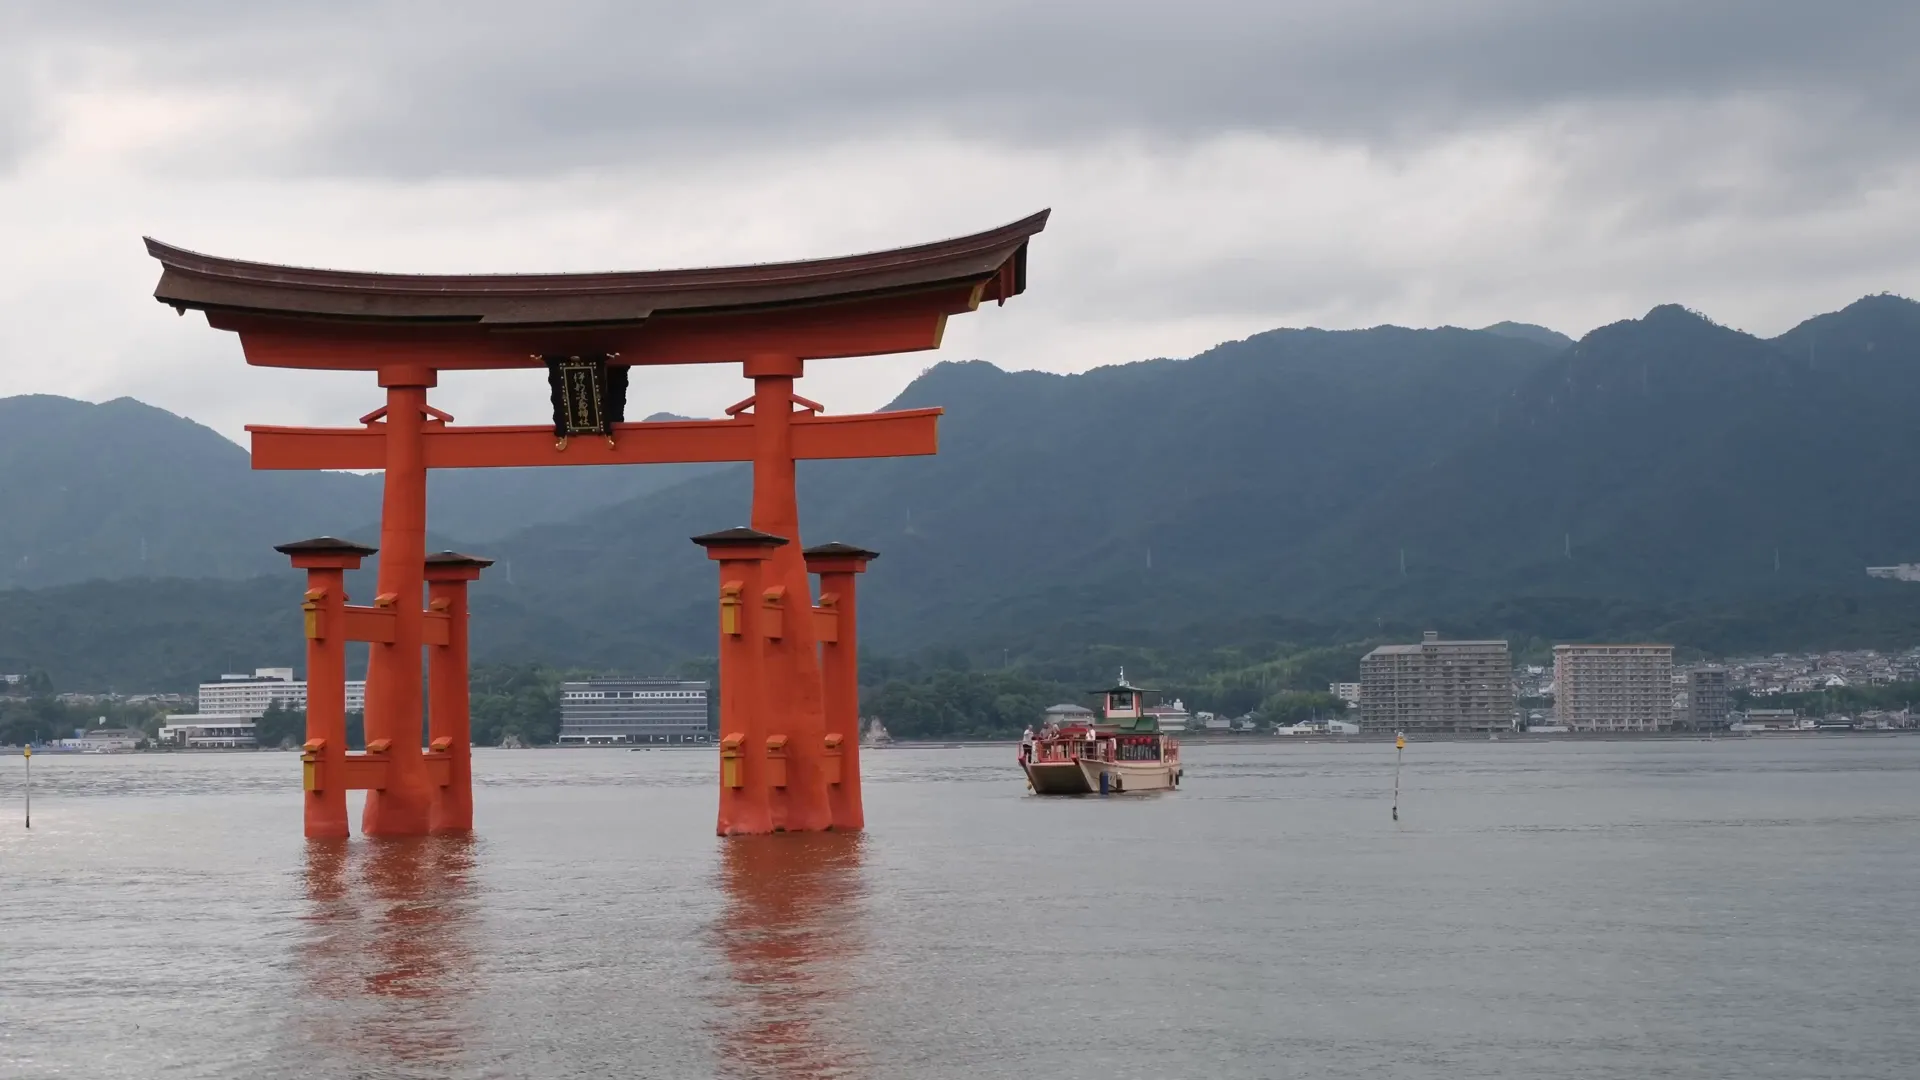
x=1753, y=159
x=513, y=88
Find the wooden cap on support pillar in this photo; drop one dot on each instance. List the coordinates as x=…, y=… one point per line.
x=325, y=553
x=837, y=558
x=453, y=566
x=739, y=543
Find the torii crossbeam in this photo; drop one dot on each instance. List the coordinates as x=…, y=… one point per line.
x=789, y=737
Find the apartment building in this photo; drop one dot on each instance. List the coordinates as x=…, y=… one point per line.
x=1613, y=687
x=1436, y=686
x=1709, y=699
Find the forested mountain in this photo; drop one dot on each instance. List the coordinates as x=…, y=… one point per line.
x=1661, y=459
x=1098, y=500
x=1370, y=476
x=482, y=505
x=122, y=489
x=1663, y=475
x=1539, y=335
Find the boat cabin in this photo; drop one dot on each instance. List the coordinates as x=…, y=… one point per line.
x=1124, y=730
x=1124, y=708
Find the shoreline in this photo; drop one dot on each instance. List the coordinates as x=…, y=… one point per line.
x=1186, y=738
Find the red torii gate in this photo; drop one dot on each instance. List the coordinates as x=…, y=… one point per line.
x=789, y=732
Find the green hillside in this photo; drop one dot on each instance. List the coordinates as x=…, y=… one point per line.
x=124, y=490
x=1128, y=495
x=1662, y=459
x=1663, y=477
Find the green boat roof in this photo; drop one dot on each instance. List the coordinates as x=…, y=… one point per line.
x=1143, y=725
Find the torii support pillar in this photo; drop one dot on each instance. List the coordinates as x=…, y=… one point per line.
x=837, y=623
x=329, y=771
x=449, y=723
x=403, y=805
x=750, y=771
x=326, y=560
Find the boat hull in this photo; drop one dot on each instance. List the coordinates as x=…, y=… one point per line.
x=1130, y=777
x=1083, y=777
x=1058, y=778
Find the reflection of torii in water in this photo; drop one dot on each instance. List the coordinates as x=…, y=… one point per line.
x=789, y=933
x=388, y=949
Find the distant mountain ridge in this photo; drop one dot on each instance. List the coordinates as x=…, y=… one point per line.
x=1052, y=494
x=122, y=489
x=1539, y=335
x=1384, y=477
x=1666, y=458
x=1380, y=474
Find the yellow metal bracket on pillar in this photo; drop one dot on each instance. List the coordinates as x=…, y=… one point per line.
x=730, y=607
x=310, y=608
x=832, y=768
x=774, y=600
x=730, y=771
x=310, y=779
x=777, y=761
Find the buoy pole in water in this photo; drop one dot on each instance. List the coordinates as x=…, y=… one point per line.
x=1399, y=747
x=27, y=753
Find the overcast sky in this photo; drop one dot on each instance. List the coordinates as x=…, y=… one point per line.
x=1215, y=169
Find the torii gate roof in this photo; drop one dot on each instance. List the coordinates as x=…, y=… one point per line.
x=883, y=301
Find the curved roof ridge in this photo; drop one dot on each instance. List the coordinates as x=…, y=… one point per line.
x=214, y=269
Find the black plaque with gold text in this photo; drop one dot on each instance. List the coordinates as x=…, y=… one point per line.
x=589, y=394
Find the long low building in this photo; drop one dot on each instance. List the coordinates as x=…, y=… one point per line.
x=209, y=731
x=598, y=712
x=105, y=739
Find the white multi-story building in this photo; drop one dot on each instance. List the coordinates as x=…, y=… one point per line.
x=1171, y=718
x=252, y=695
x=1613, y=687
x=1348, y=692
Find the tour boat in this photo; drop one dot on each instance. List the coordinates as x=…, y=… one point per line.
x=1122, y=752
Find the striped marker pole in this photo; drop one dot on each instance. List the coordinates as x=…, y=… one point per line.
x=1399, y=748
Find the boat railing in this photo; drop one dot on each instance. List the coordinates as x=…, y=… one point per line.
x=1045, y=750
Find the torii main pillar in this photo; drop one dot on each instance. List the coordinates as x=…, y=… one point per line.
x=589, y=331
